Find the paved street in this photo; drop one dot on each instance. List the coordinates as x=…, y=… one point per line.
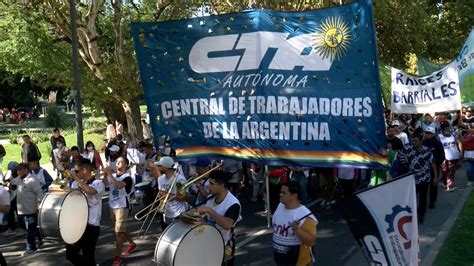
x=335, y=244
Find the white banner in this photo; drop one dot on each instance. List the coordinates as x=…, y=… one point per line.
x=394, y=209
x=437, y=92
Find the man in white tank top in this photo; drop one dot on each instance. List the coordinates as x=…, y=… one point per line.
x=453, y=152
x=223, y=210
x=294, y=228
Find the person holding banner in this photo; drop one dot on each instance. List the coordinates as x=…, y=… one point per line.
x=453, y=151
x=420, y=161
x=294, y=228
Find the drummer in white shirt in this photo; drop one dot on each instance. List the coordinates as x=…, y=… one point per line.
x=223, y=211
x=93, y=189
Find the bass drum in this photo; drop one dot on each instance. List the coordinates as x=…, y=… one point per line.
x=63, y=215
x=189, y=244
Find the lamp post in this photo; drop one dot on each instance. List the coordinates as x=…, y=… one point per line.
x=76, y=93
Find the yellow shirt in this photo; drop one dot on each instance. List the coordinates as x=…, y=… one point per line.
x=305, y=256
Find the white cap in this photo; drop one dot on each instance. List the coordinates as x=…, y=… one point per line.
x=114, y=148
x=166, y=162
x=395, y=123
x=431, y=130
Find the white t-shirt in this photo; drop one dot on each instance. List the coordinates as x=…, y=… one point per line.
x=403, y=137
x=94, y=201
x=346, y=173
x=282, y=219
x=4, y=200
x=450, y=146
x=118, y=198
x=173, y=208
x=233, y=167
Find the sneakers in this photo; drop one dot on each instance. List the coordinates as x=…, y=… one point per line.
x=117, y=261
x=469, y=184
x=129, y=250
x=28, y=252
x=451, y=189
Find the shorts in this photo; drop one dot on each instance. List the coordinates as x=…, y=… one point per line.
x=120, y=217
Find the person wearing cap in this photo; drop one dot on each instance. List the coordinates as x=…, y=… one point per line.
x=453, y=151
x=29, y=195
x=437, y=149
x=223, y=211
x=178, y=205
x=399, y=133
x=113, y=155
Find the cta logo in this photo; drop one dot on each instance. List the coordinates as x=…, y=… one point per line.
x=239, y=52
x=396, y=224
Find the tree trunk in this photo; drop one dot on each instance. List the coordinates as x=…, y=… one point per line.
x=115, y=112
x=132, y=112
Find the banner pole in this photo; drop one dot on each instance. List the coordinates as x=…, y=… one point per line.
x=267, y=196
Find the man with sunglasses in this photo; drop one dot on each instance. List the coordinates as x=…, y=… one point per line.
x=93, y=189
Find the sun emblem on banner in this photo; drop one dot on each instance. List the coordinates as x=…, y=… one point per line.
x=332, y=38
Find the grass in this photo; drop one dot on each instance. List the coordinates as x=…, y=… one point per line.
x=14, y=150
x=458, y=248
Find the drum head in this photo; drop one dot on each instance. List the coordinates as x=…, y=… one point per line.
x=73, y=217
x=202, y=245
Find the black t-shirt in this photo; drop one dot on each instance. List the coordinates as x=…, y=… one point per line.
x=397, y=144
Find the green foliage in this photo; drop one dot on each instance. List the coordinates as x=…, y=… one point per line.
x=53, y=117
x=14, y=150
x=14, y=137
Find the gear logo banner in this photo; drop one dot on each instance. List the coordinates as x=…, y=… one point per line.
x=384, y=221
x=294, y=88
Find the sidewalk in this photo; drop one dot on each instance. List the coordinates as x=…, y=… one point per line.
x=438, y=221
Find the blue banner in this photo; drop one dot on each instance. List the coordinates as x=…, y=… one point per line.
x=294, y=88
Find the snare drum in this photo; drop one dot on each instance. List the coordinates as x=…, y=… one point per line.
x=63, y=215
x=189, y=244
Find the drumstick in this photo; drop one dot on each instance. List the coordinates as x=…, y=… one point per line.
x=299, y=220
x=204, y=202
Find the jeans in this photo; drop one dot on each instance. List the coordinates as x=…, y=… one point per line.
x=30, y=223
x=87, y=244
x=469, y=170
x=303, y=181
